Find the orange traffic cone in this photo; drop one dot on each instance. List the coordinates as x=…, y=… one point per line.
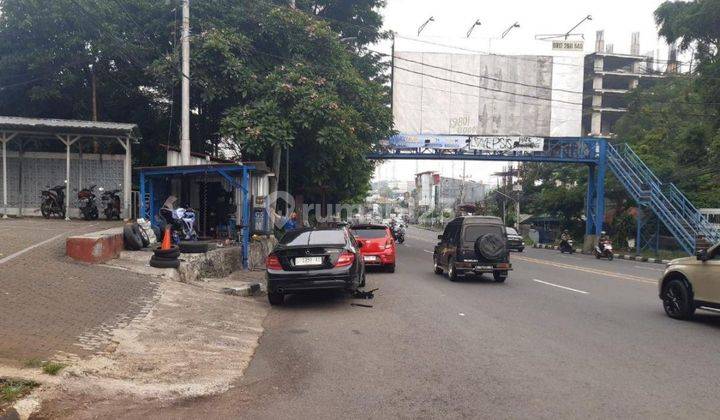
x=166, y=239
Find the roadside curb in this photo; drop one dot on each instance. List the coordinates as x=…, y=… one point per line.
x=618, y=256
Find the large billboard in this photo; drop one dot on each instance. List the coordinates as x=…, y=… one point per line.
x=487, y=95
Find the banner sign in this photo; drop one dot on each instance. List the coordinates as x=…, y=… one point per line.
x=508, y=144
x=483, y=143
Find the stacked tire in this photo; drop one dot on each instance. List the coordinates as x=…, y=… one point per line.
x=165, y=258
x=134, y=237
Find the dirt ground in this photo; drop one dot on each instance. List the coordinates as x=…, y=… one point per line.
x=194, y=342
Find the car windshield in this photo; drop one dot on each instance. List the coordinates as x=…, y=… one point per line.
x=475, y=231
x=313, y=237
x=369, y=233
x=511, y=231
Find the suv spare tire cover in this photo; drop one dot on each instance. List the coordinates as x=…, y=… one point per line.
x=490, y=246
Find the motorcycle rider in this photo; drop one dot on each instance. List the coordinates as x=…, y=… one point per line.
x=602, y=240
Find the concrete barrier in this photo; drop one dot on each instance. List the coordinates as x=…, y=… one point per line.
x=96, y=247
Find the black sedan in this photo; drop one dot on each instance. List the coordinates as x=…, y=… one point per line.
x=514, y=240
x=314, y=259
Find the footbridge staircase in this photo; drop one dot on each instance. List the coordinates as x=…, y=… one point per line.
x=665, y=201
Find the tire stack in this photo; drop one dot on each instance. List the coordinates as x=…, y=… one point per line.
x=134, y=237
x=165, y=258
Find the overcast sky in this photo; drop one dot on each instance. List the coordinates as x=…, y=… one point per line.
x=618, y=18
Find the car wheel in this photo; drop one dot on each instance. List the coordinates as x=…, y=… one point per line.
x=438, y=269
x=677, y=302
x=521, y=249
x=500, y=276
x=276, y=298
x=452, y=273
x=390, y=268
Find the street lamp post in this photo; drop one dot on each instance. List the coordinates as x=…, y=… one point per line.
x=477, y=23
x=510, y=28
x=422, y=27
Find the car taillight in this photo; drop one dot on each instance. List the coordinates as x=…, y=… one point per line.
x=273, y=262
x=345, y=259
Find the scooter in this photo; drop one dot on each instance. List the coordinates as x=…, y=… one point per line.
x=110, y=203
x=605, y=252
x=87, y=203
x=181, y=220
x=53, y=201
x=567, y=246
x=398, y=233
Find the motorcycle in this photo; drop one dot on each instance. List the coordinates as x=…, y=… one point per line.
x=399, y=234
x=53, y=201
x=605, y=252
x=181, y=221
x=110, y=203
x=567, y=246
x=87, y=203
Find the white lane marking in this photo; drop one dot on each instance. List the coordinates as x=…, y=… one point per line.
x=429, y=252
x=648, y=268
x=562, y=287
x=30, y=248
x=588, y=270
x=461, y=314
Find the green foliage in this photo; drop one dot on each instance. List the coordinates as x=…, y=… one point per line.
x=262, y=75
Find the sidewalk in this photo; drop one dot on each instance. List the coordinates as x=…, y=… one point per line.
x=52, y=307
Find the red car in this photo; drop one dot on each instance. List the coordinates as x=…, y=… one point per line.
x=378, y=245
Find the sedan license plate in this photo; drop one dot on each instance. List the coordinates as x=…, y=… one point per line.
x=308, y=261
x=483, y=267
x=370, y=258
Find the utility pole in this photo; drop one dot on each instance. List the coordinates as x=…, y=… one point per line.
x=185, y=140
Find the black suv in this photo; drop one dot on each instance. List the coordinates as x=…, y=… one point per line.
x=473, y=245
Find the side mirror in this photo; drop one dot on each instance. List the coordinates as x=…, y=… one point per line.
x=702, y=255
x=440, y=237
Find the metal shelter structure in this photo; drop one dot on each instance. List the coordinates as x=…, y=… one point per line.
x=149, y=176
x=69, y=132
x=658, y=202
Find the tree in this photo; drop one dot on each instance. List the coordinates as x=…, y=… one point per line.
x=262, y=75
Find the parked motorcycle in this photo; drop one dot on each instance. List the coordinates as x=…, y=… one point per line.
x=53, y=201
x=87, y=203
x=181, y=221
x=567, y=246
x=110, y=202
x=604, y=250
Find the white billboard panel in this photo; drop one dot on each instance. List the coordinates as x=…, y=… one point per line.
x=474, y=94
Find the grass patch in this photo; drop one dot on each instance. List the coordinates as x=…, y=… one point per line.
x=33, y=363
x=12, y=390
x=52, y=368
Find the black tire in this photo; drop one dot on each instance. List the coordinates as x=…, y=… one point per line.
x=276, y=299
x=167, y=253
x=166, y=258
x=452, y=273
x=677, y=300
x=131, y=240
x=140, y=232
x=163, y=263
x=193, y=247
x=500, y=276
x=610, y=257
x=45, y=210
x=490, y=247
x=390, y=268
x=437, y=268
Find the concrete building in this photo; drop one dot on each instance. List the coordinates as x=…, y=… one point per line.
x=609, y=76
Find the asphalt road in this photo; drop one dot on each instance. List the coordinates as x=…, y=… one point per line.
x=564, y=337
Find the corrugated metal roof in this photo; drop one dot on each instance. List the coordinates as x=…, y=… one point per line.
x=56, y=126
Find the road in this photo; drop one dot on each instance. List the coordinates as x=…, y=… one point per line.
x=565, y=337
